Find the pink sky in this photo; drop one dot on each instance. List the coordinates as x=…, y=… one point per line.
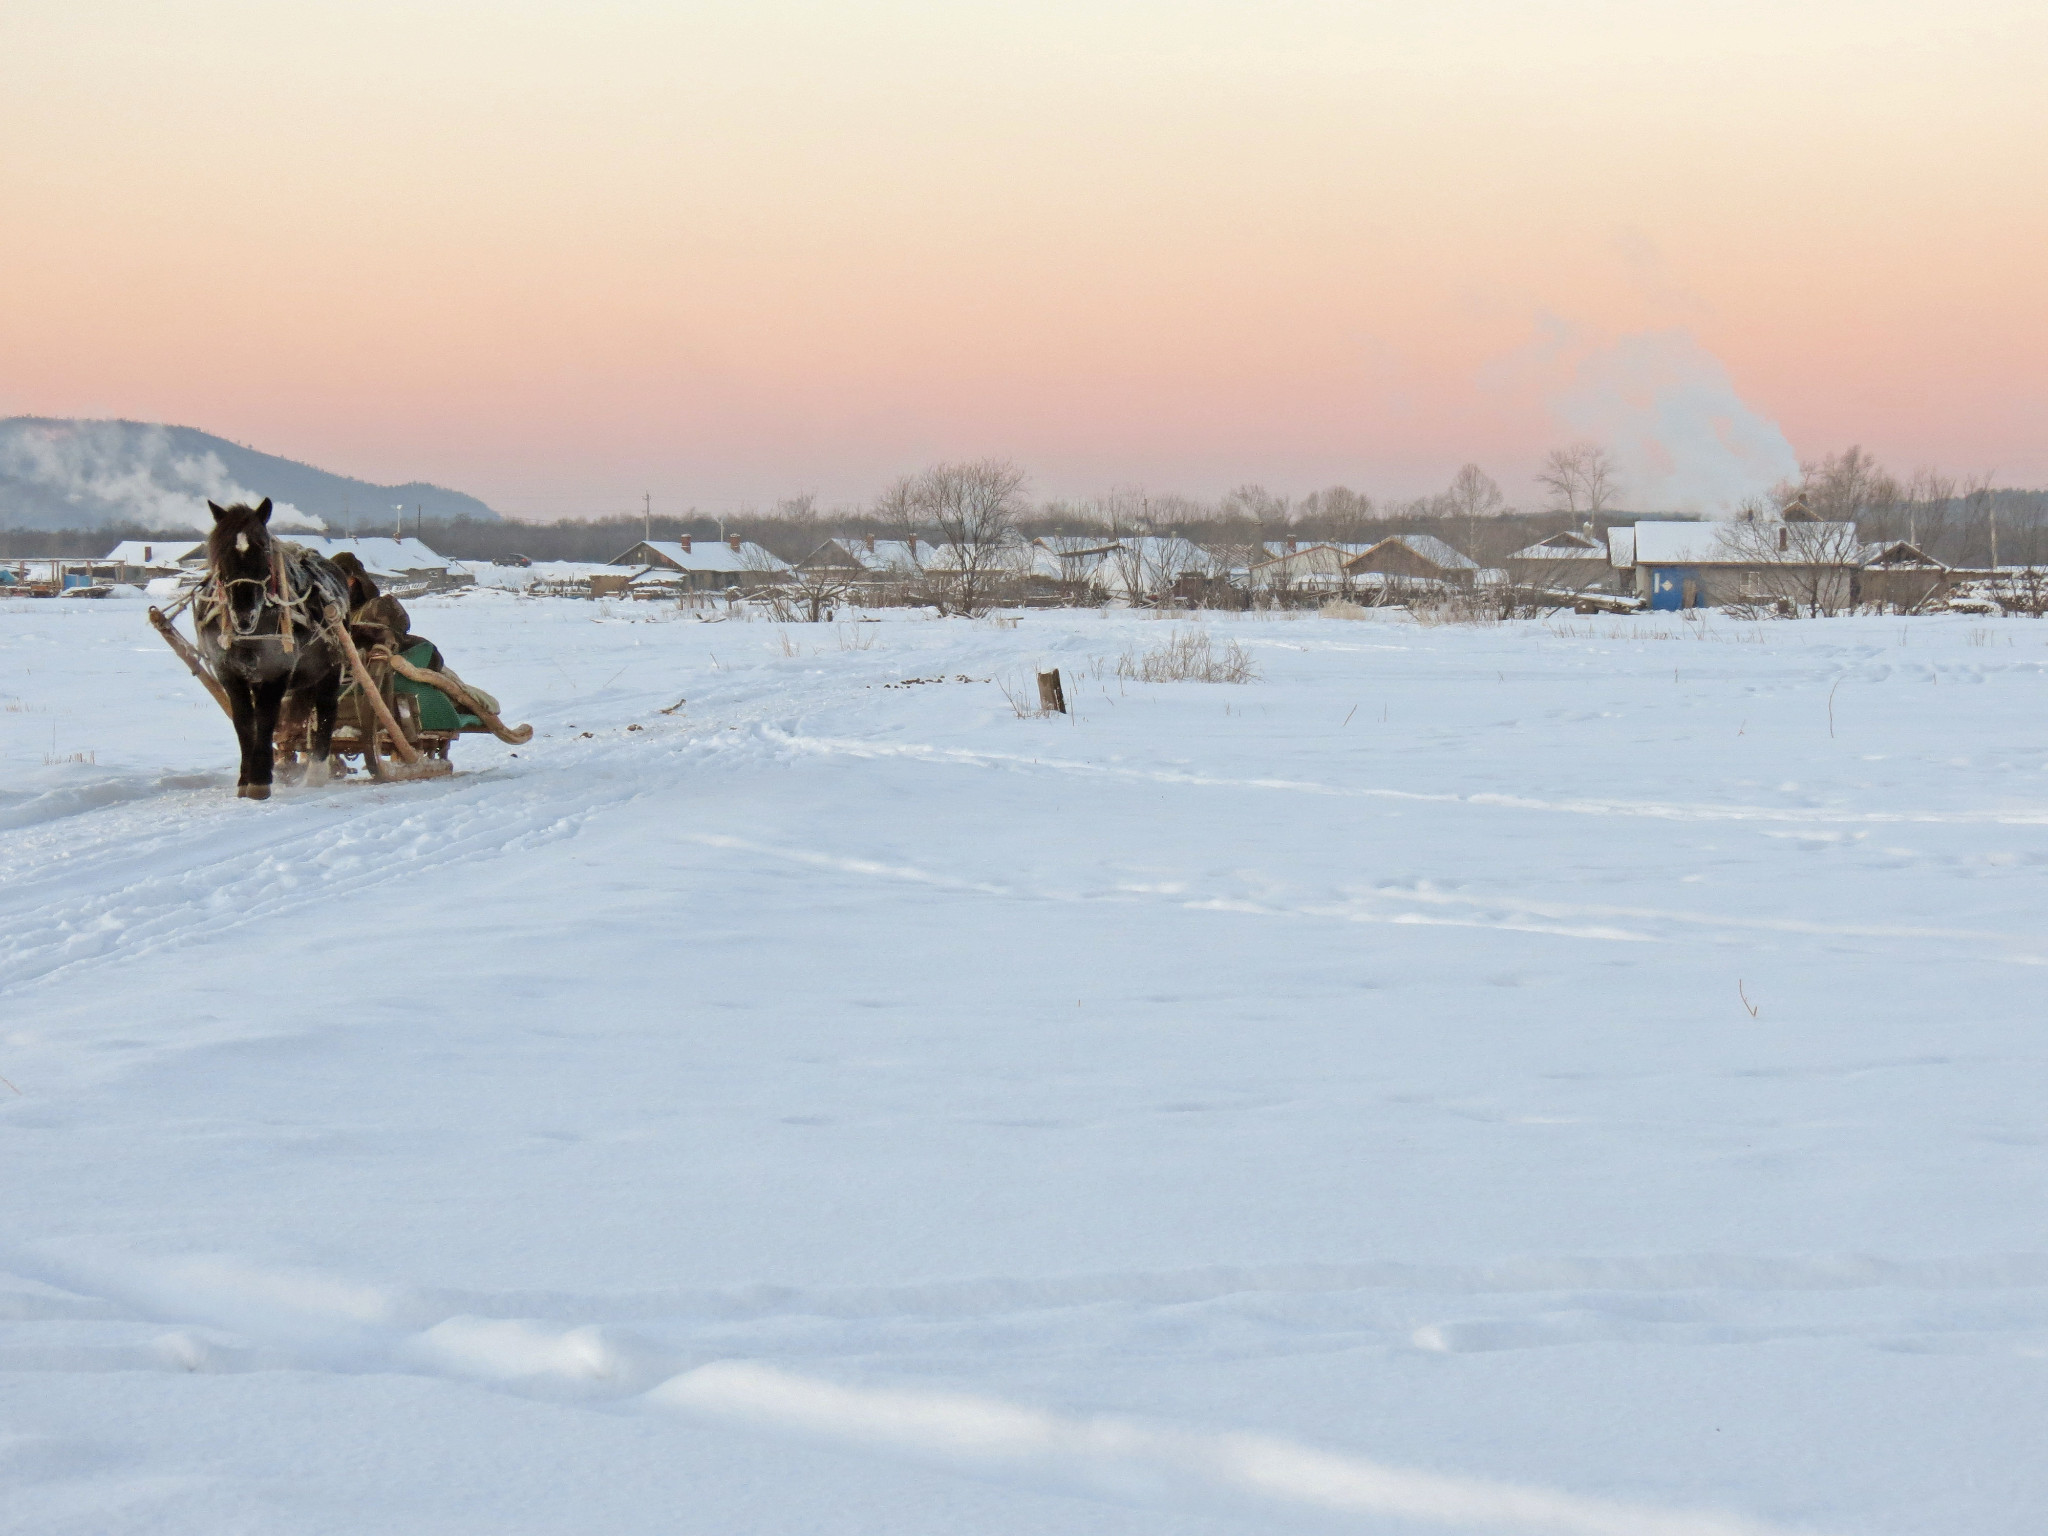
x=559, y=255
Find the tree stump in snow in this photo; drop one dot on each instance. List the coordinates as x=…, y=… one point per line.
x=1051, y=697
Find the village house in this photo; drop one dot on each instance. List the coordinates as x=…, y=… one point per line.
x=708, y=565
x=1902, y=577
x=137, y=561
x=1798, y=562
x=1311, y=571
x=1572, y=561
x=866, y=558
x=1408, y=558
x=1145, y=567
x=1072, y=562
x=405, y=566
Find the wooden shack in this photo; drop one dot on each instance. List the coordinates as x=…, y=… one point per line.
x=1902, y=577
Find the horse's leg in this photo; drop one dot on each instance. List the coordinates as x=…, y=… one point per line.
x=269, y=698
x=326, y=705
x=243, y=709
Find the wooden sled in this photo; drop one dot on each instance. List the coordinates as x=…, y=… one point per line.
x=397, y=719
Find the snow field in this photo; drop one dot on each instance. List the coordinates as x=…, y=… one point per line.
x=840, y=1106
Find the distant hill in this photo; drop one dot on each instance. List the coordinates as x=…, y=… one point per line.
x=57, y=473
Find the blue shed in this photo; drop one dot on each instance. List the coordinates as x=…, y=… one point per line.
x=1673, y=587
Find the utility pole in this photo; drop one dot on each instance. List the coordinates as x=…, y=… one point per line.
x=646, y=516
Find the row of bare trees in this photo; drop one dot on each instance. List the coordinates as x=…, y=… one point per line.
x=1962, y=521
x=974, y=512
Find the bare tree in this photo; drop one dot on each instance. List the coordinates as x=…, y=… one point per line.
x=1148, y=566
x=1339, y=514
x=797, y=528
x=895, y=511
x=973, y=509
x=1256, y=504
x=1979, y=506
x=1473, y=499
x=1847, y=486
x=810, y=594
x=1927, y=501
x=1127, y=509
x=1579, y=478
x=1473, y=494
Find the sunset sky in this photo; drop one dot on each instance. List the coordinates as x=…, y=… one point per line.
x=557, y=255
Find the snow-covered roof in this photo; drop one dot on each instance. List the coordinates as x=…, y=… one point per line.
x=1427, y=546
x=885, y=554
x=1011, y=555
x=380, y=557
x=1898, y=552
x=1560, y=546
x=1683, y=544
x=1621, y=548
x=876, y=555
x=1142, y=565
x=1663, y=543
x=1275, y=549
x=1066, y=564
x=705, y=555
x=1306, y=565
x=1437, y=552
x=164, y=551
x=1069, y=546
x=1064, y=557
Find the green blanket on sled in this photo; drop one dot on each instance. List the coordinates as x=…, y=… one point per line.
x=437, y=710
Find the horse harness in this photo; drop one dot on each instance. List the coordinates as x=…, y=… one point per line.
x=277, y=593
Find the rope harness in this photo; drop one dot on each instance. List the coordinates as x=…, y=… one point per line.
x=276, y=592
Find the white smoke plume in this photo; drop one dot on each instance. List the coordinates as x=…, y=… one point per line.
x=1682, y=439
x=129, y=471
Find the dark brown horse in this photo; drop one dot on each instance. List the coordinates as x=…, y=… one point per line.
x=265, y=620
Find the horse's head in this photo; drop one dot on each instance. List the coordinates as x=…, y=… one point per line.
x=238, y=550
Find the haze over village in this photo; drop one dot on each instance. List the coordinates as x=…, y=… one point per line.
x=1113, y=770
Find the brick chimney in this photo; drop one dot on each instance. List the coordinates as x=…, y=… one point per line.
x=734, y=541
x=913, y=546
x=871, y=543
x=686, y=543
x=1290, y=546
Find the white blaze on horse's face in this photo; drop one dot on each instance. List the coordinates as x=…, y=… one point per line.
x=242, y=543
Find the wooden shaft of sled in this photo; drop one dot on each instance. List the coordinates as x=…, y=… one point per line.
x=183, y=647
x=518, y=735
x=407, y=752
x=283, y=584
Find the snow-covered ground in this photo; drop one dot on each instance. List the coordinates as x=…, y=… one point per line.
x=1602, y=1060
